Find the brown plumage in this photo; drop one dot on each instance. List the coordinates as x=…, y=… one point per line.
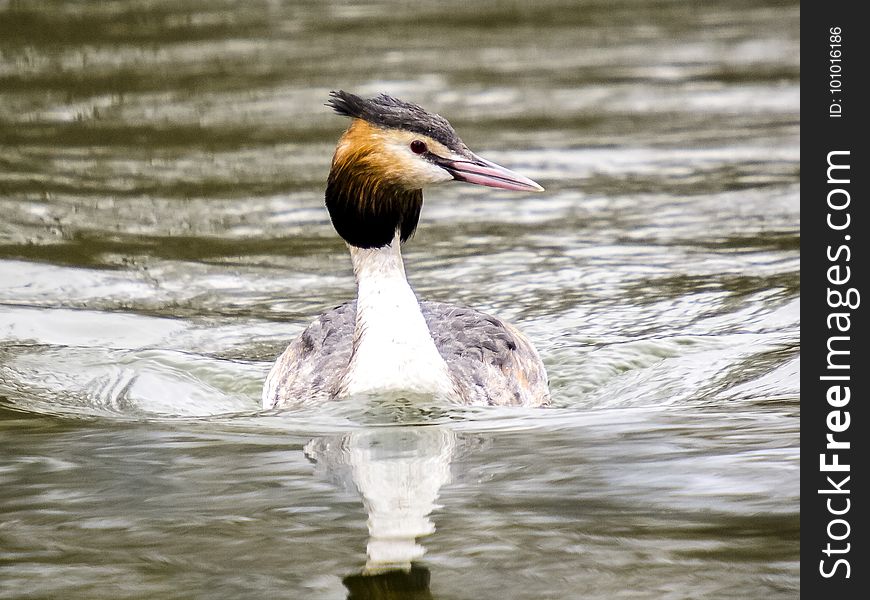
x=365, y=194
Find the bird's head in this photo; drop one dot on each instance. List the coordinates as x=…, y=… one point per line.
x=390, y=152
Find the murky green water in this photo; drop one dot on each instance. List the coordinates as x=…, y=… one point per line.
x=162, y=237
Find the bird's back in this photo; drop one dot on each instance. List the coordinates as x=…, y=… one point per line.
x=491, y=361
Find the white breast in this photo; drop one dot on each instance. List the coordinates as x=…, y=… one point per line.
x=393, y=349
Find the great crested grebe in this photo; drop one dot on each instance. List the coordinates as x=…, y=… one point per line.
x=386, y=341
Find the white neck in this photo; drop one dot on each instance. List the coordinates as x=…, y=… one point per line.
x=393, y=350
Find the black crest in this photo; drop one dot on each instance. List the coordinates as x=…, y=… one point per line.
x=392, y=113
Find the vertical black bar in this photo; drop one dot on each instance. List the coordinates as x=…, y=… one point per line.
x=835, y=60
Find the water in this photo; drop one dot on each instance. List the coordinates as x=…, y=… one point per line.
x=163, y=237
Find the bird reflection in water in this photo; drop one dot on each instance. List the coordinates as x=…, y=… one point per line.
x=412, y=584
x=399, y=471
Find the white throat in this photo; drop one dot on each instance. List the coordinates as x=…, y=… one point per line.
x=393, y=350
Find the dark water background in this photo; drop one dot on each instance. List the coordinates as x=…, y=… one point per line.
x=162, y=237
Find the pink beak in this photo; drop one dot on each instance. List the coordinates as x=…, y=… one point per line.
x=480, y=171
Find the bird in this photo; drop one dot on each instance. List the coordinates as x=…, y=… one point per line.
x=386, y=342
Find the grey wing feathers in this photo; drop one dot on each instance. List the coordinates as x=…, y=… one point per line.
x=490, y=360
x=310, y=369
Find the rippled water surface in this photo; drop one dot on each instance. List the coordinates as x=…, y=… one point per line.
x=163, y=237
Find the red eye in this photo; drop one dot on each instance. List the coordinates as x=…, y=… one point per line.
x=418, y=147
